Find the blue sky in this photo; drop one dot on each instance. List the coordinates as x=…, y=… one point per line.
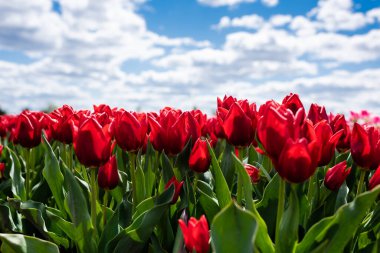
x=146, y=54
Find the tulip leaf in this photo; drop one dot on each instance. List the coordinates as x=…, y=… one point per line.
x=209, y=204
x=221, y=187
x=233, y=230
x=336, y=231
x=35, y=213
x=134, y=237
x=6, y=220
x=140, y=183
x=289, y=225
x=267, y=207
x=53, y=175
x=167, y=168
x=17, y=243
x=263, y=241
x=18, y=187
x=227, y=164
x=78, y=212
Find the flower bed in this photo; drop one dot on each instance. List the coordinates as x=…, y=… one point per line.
x=266, y=179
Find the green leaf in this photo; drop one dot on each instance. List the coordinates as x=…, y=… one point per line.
x=16, y=243
x=263, y=241
x=289, y=225
x=35, y=213
x=267, y=207
x=233, y=230
x=221, y=187
x=18, y=187
x=208, y=203
x=140, y=183
x=227, y=164
x=6, y=220
x=336, y=231
x=78, y=212
x=53, y=175
x=134, y=237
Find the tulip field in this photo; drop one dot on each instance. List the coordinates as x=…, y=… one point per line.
x=276, y=177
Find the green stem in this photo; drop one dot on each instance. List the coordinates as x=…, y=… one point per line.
x=239, y=186
x=280, y=208
x=132, y=167
x=93, y=199
x=27, y=171
x=361, y=181
x=105, y=202
x=70, y=158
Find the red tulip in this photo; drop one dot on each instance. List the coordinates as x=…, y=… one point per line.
x=92, y=143
x=239, y=124
x=336, y=175
x=28, y=130
x=130, y=130
x=2, y=169
x=200, y=158
x=292, y=102
x=108, y=175
x=275, y=126
x=226, y=103
x=375, y=179
x=298, y=160
x=196, y=234
x=61, y=124
x=317, y=113
x=328, y=141
x=177, y=188
x=1, y=149
x=102, y=108
x=337, y=123
x=253, y=172
x=168, y=132
x=209, y=130
x=365, y=146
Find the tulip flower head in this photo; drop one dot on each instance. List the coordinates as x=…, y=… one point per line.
x=130, y=130
x=28, y=130
x=108, y=175
x=253, y=172
x=177, y=188
x=196, y=234
x=375, y=179
x=92, y=143
x=365, y=146
x=336, y=175
x=200, y=158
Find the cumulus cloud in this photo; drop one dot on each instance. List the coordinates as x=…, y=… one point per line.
x=270, y=3
x=78, y=57
x=218, y=3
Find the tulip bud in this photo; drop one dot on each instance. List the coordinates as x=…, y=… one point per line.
x=196, y=234
x=28, y=130
x=2, y=169
x=365, y=146
x=108, y=175
x=375, y=179
x=92, y=143
x=1, y=149
x=177, y=188
x=336, y=175
x=253, y=172
x=200, y=158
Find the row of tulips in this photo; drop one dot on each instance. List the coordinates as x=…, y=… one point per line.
x=266, y=179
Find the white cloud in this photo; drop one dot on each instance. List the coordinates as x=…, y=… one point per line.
x=270, y=3
x=218, y=3
x=79, y=55
x=248, y=21
x=280, y=20
x=336, y=15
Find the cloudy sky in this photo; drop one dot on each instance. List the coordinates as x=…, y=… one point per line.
x=145, y=54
